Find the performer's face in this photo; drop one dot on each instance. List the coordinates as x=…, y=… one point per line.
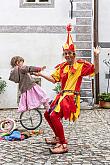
x=69, y=56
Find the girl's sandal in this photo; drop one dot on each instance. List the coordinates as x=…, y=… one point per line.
x=59, y=149
x=53, y=140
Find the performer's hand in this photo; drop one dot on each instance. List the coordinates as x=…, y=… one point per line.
x=97, y=51
x=36, y=73
x=96, y=59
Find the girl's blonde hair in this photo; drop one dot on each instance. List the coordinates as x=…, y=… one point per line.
x=16, y=59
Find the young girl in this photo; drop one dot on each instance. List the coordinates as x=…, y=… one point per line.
x=32, y=95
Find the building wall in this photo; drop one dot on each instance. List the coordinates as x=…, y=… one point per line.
x=37, y=34
x=104, y=42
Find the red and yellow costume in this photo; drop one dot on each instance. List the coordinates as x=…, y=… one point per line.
x=67, y=103
x=70, y=77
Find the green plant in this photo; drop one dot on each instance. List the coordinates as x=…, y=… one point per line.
x=57, y=88
x=104, y=97
x=3, y=85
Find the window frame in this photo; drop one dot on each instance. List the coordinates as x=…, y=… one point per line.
x=36, y=4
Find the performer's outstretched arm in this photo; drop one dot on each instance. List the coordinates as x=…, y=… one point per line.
x=49, y=78
x=96, y=59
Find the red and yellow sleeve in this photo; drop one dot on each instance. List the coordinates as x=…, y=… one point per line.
x=56, y=74
x=87, y=69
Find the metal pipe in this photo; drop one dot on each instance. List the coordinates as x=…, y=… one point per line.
x=71, y=12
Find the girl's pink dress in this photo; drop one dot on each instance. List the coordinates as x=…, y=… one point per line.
x=33, y=98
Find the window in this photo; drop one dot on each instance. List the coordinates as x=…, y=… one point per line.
x=30, y=1
x=37, y=3
x=43, y=0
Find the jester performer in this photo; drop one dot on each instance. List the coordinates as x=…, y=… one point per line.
x=67, y=103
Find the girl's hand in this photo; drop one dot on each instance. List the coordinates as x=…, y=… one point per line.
x=44, y=67
x=97, y=50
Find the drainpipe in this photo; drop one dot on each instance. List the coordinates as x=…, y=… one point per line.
x=71, y=12
x=95, y=44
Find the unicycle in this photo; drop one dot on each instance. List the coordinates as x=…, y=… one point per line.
x=31, y=119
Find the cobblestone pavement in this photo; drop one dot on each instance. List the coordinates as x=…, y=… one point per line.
x=88, y=137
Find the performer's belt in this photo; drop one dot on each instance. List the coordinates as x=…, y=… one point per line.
x=70, y=91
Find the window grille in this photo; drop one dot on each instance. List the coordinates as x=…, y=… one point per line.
x=36, y=3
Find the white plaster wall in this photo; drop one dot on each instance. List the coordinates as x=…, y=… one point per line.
x=36, y=49
x=104, y=36
x=103, y=69
x=104, y=21
x=9, y=9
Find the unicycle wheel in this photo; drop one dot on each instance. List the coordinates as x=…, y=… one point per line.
x=31, y=119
